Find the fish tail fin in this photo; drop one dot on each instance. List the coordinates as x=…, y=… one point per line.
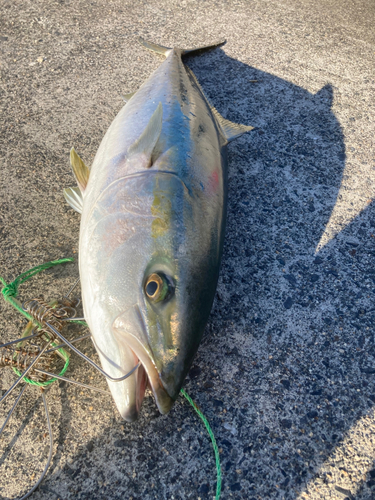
x=186, y=52
x=159, y=49
x=165, y=51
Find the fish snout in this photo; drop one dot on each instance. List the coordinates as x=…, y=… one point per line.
x=173, y=371
x=130, y=332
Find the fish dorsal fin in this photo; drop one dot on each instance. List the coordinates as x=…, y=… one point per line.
x=80, y=170
x=143, y=147
x=127, y=97
x=230, y=130
x=74, y=198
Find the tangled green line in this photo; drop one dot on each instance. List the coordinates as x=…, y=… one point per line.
x=51, y=380
x=10, y=292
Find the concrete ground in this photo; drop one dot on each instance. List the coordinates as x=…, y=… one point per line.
x=286, y=371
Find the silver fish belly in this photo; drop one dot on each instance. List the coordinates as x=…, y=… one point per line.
x=153, y=217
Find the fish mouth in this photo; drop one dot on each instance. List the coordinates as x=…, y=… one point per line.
x=140, y=389
x=147, y=374
x=130, y=335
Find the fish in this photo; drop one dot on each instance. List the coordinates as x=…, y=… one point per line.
x=153, y=211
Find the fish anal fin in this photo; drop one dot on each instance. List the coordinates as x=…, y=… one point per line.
x=144, y=146
x=80, y=170
x=230, y=130
x=74, y=198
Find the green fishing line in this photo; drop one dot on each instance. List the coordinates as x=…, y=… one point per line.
x=213, y=440
x=10, y=292
x=50, y=381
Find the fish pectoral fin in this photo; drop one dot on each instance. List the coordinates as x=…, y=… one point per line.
x=143, y=147
x=80, y=170
x=74, y=198
x=229, y=129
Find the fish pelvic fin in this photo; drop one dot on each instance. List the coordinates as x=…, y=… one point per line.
x=230, y=130
x=80, y=170
x=165, y=51
x=74, y=198
x=143, y=147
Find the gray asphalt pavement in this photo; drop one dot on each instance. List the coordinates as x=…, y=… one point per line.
x=286, y=371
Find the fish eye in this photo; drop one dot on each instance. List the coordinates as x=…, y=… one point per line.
x=158, y=287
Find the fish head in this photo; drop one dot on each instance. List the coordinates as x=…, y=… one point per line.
x=149, y=297
x=165, y=326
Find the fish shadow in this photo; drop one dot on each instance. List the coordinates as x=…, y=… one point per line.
x=292, y=316
x=280, y=375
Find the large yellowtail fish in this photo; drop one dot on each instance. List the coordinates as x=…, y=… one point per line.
x=153, y=216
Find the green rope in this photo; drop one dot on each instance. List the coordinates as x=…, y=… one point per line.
x=51, y=380
x=78, y=322
x=10, y=292
x=213, y=440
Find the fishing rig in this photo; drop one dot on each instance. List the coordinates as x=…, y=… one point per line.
x=39, y=357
